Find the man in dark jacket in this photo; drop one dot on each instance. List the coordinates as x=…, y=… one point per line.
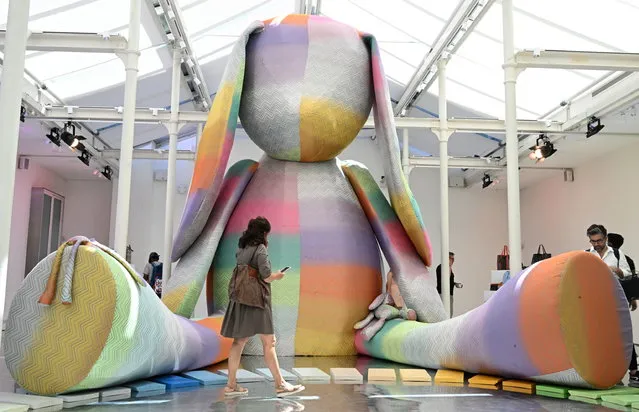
x=453, y=285
x=615, y=241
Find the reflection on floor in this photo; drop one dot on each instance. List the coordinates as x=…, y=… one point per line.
x=335, y=397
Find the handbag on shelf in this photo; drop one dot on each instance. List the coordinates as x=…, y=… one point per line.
x=246, y=286
x=503, y=259
x=540, y=255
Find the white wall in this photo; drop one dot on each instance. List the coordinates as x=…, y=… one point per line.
x=87, y=209
x=83, y=200
x=35, y=176
x=478, y=217
x=605, y=191
x=478, y=232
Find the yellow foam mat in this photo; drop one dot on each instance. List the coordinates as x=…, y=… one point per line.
x=414, y=375
x=485, y=380
x=519, y=390
x=448, y=376
x=519, y=386
x=480, y=386
x=380, y=374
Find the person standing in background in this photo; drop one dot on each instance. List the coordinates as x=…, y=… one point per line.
x=598, y=236
x=615, y=241
x=453, y=285
x=148, y=268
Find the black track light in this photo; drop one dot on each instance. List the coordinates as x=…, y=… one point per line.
x=54, y=136
x=543, y=149
x=107, y=172
x=486, y=181
x=594, y=126
x=85, y=157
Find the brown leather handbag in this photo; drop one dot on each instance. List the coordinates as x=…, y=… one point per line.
x=247, y=287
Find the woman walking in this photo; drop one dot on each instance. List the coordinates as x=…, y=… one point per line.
x=249, y=311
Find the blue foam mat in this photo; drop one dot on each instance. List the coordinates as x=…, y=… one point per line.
x=206, y=377
x=175, y=381
x=145, y=386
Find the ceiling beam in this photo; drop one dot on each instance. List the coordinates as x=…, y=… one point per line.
x=149, y=154
x=72, y=42
x=457, y=162
x=462, y=22
x=151, y=115
x=579, y=60
x=168, y=17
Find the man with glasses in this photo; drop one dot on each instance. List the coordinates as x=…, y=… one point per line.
x=598, y=236
x=618, y=264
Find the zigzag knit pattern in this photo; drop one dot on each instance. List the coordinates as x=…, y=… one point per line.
x=112, y=331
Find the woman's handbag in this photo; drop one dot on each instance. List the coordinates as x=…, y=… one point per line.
x=540, y=255
x=247, y=287
x=503, y=260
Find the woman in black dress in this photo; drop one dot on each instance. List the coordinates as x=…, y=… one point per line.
x=242, y=322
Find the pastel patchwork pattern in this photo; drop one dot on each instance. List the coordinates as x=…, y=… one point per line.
x=570, y=303
x=115, y=329
x=303, y=87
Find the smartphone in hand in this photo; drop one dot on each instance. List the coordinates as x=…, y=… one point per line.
x=284, y=269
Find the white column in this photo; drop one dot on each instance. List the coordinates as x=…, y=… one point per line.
x=128, y=130
x=443, y=136
x=405, y=153
x=512, y=143
x=170, y=176
x=10, y=102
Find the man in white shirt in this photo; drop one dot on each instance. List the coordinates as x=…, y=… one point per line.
x=598, y=236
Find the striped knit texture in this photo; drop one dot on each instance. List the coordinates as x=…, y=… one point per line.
x=305, y=89
x=322, y=233
x=307, y=85
x=564, y=320
x=114, y=330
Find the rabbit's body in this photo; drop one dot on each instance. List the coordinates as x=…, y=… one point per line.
x=322, y=233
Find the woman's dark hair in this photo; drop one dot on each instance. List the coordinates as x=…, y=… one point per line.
x=154, y=257
x=256, y=232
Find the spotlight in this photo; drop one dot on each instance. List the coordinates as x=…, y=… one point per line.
x=85, y=157
x=54, y=136
x=107, y=172
x=486, y=181
x=68, y=135
x=543, y=150
x=594, y=126
x=76, y=141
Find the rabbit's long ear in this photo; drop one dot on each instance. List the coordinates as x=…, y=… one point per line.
x=214, y=148
x=401, y=196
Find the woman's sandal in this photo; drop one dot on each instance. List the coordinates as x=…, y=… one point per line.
x=286, y=389
x=235, y=391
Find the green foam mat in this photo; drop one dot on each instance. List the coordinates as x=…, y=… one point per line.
x=616, y=407
x=558, y=391
x=597, y=394
x=585, y=400
x=623, y=400
x=552, y=395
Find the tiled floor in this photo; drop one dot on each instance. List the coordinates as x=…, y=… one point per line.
x=334, y=397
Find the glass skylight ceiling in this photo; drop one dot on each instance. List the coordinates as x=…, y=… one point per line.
x=405, y=30
x=73, y=74
x=213, y=37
